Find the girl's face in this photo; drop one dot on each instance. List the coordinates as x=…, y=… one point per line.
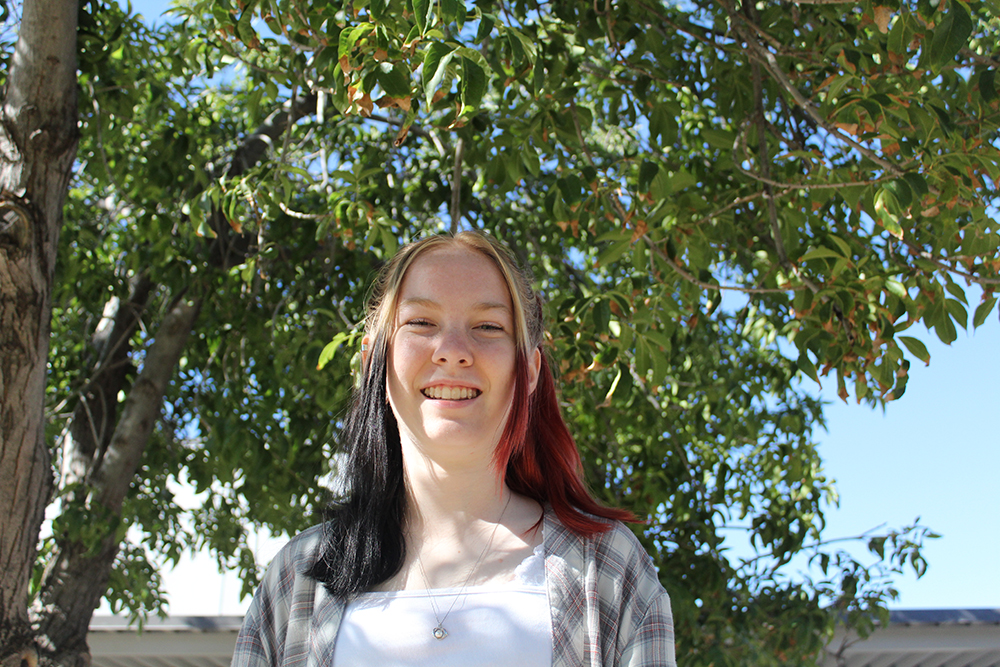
x=452, y=353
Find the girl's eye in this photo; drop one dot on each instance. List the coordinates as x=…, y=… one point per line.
x=490, y=327
x=418, y=323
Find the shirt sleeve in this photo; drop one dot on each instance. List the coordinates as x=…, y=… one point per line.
x=652, y=641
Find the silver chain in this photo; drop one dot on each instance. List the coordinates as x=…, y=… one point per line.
x=439, y=631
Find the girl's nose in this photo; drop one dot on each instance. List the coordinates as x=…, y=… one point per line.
x=453, y=348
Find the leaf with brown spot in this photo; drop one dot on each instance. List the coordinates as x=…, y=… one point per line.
x=882, y=16
x=640, y=230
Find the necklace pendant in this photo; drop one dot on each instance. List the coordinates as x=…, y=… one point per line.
x=439, y=632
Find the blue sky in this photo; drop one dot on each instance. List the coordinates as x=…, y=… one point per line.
x=934, y=454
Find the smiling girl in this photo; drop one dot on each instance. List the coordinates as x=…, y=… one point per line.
x=465, y=534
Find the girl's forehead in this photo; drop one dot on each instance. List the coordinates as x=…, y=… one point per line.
x=454, y=273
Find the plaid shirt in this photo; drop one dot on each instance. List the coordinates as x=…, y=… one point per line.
x=608, y=607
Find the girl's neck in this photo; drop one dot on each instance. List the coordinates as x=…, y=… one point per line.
x=446, y=498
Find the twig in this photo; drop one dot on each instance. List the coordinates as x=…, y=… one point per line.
x=456, y=185
x=923, y=254
x=736, y=202
x=980, y=59
x=321, y=119
x=304, y=216
x=686, y=30
x=579, y=133
x=789, y=186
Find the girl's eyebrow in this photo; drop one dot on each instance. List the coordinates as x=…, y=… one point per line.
x=430, y=303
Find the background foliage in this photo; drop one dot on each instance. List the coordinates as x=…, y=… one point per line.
x=722, y=202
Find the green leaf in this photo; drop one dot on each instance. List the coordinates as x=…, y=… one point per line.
x=473, y=84
x=647, y=171
x=378, y=9
x=523, y=47
x=845, y=250
x=394, y=78
x=983, y=311
x=899, y=38
x=886, y=207
x=917, y=184
x=602, y=316
x=820, y=253
x=721, y=139
x=244, y=27
x=422, y=14
x=348, y=38
x=435, y=66
x=486, y=23
x=945, y=329
x=614, y=384
x=987, y=87
x=951, y=34
x=612, y=253
x=659, y=338
x=956, y=292
x=916, y=348
x=451, y=10
x=957, y=312
x=901, y=191
x=665, y=183
x=806, y=366
x=330, y=349
x=837, y=86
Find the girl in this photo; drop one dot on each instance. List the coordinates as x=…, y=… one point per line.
x=465, y=534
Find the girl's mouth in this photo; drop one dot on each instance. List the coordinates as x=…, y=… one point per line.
x=451, y=393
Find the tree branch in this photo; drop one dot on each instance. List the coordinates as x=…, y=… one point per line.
x=764, y=56
x=94, y=417
x=709, y=286
x=77, y=577
x=112, y=479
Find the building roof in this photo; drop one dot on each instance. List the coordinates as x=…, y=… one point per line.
x=913, y=638
x=923, y=638
x=176, y=641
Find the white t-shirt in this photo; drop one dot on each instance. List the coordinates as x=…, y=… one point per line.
x=502, y=624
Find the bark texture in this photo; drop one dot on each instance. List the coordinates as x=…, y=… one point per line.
x=38, y=140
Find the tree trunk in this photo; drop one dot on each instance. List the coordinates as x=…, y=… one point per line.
x=38, y=139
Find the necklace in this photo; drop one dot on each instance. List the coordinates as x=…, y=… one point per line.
x=439, y=631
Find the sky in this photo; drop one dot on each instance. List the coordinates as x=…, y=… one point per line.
x=934, y=454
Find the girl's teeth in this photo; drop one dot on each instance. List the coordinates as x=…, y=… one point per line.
x=451, y=393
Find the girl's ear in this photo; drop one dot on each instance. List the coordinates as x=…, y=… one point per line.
x=534, y=367
x=365, y=350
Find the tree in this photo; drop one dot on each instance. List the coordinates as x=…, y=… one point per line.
x=830, y=164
